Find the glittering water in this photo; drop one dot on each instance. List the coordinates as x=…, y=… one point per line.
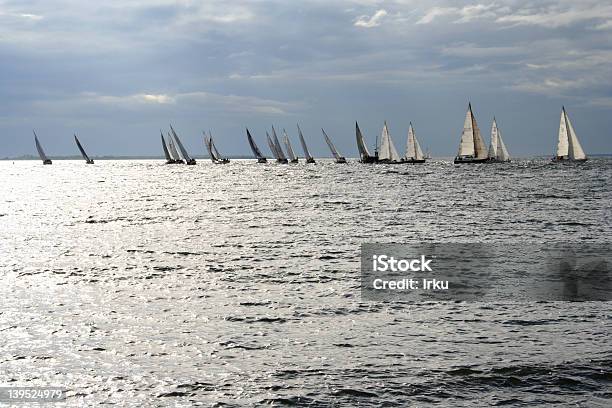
x=144, y=284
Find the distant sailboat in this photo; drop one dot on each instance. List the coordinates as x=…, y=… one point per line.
x=414, y=154
x=339, y=158
x=256, y=152
x=41, y=152
x=497, y=150
x=169, y=159
x=568, y=146
x=472, y=148
x=212, y=150
x=309, y=158
x=292, y=157
x=176, y=157
x=188, y=159
x=281, y=158
x=85, y=156
x=387, y=153
x=364, y=154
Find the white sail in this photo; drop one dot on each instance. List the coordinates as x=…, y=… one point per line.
x=466, y=147
x=413, y=148
x=502, y=152
x=214, y=149
x=172, y=148
x=574, y=147
x=290, y=151
x=277, y=145
x=272, y=147
x=361, y=145
x=303, y=142
x=563, y=143
x=333, y=149
x=479, y=144
x=387, y=149
x=41, y=152
x=494, y=146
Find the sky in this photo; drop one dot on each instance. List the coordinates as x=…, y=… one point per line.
x=119, y=71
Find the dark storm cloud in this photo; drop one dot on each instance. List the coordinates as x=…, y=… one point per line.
x=118, y=71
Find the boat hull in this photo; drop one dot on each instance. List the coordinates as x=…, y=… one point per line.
x=89, y=162
x=368, y=159
x=469, y=160
x=341, y=160
x=191, y=162
x=282, y=161
x=310, y=161
x=295, y=161
x=563, y=159
x=262, y=160
x=48, y=161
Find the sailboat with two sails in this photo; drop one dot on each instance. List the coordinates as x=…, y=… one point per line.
x=472, y=147
x=386, y=152
x=414, y=153
x=188, y=159
x=85, y=156
x=214, y=154
x=275, y=147
x=307, y=155
x=568, y=145
x=255, y=149
x=41, y=152
x=364, y=154
x=498, y=153
x=337, y=156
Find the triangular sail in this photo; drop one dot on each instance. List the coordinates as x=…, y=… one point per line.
x=214, y=149
x=165, y=147
x=254, y=148
x=87, y=159
x=413, y=148
x=175, y=155
x=502, y=152
x=272, y=147
x=41, y=152
x=331, y=146
x=387, y=150
x=277, y=145
x=180, y=145
x=303, y=143
x=574, y=147
x=290, y=151
x=494, y=147
x=480, y=147
x=363, y=150
x=466, y=147
x=208, y=144
x=563, y=143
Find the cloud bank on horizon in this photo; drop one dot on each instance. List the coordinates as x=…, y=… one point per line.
x=117, y=71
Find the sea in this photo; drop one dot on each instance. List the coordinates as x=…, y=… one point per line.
x=134, y=283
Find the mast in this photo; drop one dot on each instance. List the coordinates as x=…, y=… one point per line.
x=303, y=143
x=87, y=159
x=254, y=148
x=165, y=147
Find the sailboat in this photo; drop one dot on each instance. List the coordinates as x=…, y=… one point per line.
x=339, y=158
x=472, y=148
x=414, y=154
x=169, y=159
x=280, y=155
x=256, y=152
x=364, y=154
x=309, y=158
x=292, y=157
x=188, y=159
x=176, y=157
x=212, y=150
x=497, y=150
x=41, y=152
x=387, y=153
x=568, y=147
x=85, y=156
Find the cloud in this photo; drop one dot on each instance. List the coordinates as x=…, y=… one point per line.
x=435, y=12
x=369, y=22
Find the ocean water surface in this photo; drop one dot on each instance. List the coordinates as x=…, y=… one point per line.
x=142, y=284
